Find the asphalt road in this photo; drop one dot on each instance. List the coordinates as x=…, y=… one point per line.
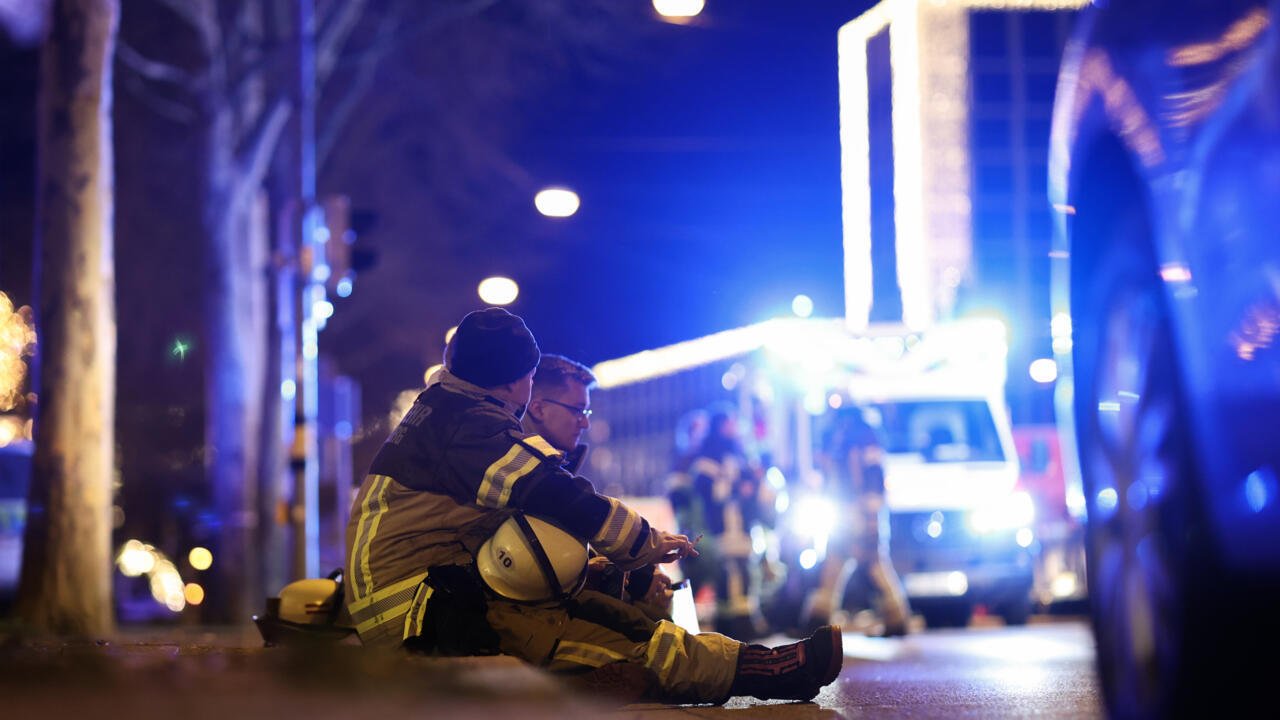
x=1042, y=670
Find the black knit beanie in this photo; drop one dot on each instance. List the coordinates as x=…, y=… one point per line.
x=491, y=347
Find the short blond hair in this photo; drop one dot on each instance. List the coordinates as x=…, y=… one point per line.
x=557, y=371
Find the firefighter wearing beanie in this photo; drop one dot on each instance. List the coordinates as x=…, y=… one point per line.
x=457, y=473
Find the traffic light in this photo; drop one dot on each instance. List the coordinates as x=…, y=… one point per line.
x=345, y=253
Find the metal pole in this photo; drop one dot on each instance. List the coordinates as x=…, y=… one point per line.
x=306, y=508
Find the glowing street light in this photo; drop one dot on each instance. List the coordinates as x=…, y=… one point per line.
x=678, y=8
x=1043, y=370
x=498, y=290
x=802, y=306
x=557, y=202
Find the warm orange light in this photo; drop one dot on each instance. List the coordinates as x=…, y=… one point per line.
x=17, y=340
x=193, y=593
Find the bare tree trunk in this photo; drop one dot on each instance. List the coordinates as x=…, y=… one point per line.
x=66, y=569
x=235, y=321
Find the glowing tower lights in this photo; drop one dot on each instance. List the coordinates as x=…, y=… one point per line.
x=927, y=68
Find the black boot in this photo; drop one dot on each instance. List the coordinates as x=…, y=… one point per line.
x=791, y=672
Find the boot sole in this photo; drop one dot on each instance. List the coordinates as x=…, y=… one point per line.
x=836, y=663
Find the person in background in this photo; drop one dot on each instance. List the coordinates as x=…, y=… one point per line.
x=560, y=411
x=686, y=505
x=458, y=471
x=721, y=501
x=853, y=454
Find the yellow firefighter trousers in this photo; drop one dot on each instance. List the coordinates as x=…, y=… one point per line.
x=592, y=630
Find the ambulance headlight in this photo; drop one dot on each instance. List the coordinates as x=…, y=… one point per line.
x=1013, y=511
x=813, y=516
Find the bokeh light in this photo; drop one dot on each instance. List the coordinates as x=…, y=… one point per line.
x=17, y=340
x=135, y=559
x=802, y=306
x=431, y=371
x=1043, y=370
x=498, y=290
x=193, y=593
x=180, y=348
x=557, y=202
x=200, y=558
x=678, y=8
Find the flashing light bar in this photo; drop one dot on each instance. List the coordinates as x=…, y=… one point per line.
x=695, y=353
x=976, y=347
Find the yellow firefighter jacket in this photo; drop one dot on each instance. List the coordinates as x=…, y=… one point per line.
x=452, y=470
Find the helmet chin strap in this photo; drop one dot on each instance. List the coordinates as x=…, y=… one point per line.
x=540, y=555
x=544, y=562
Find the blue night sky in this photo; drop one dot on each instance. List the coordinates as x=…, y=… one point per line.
x=708, y=167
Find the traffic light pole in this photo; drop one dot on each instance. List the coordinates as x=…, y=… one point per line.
x=305, y=507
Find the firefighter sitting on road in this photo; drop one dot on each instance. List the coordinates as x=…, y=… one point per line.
x=468, y=537
x=560, y=411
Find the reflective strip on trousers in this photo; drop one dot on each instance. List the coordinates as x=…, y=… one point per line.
x=417, y=611
x=371, y=512
x=387, y=605
x=586, y=654
x=667, y=642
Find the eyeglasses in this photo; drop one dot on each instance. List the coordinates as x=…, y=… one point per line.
x=581, y=412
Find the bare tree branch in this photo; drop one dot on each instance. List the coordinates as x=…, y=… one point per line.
x=427, y=22
x=331, y=39
x=210, y=30
x=253, y=158
x=153, y=69
x=188, y=11
x=243, y=35
x=385, y=41
x=336, y=117
x=164, y=107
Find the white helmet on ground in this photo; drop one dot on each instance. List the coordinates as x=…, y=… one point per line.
x=530, y=560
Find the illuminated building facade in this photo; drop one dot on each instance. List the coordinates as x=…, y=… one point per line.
x=945, y=108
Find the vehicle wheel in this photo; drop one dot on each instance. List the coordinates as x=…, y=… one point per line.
x=949, y=614
x=1138, y=474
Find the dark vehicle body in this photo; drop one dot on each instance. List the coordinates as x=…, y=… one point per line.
x=1165, y=174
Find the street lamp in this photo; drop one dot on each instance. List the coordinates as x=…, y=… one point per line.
x=498, y=290
x=678, y=9
x=557, y=202
x=802, y=306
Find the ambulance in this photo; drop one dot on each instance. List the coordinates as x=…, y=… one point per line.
x=962, y=532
